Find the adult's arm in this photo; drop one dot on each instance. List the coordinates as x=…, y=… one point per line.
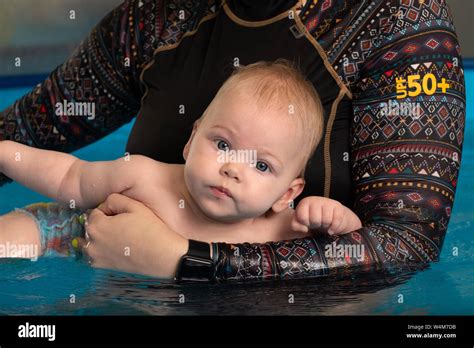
x=404, y=169
x=103, y=70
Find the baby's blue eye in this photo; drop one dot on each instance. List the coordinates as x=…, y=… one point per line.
x=262, y=166
x=225, y=146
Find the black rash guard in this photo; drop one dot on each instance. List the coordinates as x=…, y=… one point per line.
x=398, y=172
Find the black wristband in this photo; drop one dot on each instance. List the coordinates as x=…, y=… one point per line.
x=196, y=264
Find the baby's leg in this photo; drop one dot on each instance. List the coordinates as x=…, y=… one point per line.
x=51, y=226
x=19, y=236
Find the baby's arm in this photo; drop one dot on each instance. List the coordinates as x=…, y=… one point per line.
x=324, y=214
x=64, y=177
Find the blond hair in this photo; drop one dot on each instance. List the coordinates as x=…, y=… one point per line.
x=281, y=83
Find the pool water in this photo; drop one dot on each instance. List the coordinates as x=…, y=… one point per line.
x=67, y=286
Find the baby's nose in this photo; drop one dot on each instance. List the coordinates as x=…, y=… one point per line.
x=230, y=170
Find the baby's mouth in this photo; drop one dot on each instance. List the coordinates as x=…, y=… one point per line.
x=220, y=191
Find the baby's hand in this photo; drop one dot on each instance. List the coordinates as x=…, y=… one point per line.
x=325, y=215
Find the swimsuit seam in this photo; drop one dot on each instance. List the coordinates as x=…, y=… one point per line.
x=327, y=143
x=323, y=56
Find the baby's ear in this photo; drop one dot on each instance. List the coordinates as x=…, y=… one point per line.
x=295, y=189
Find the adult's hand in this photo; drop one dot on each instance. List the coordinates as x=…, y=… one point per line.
x=126, y=235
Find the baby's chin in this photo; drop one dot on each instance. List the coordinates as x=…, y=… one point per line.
x=212, y=213
x=222, y=218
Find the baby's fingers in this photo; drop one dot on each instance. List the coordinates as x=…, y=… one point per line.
x=301, y=215
x=323, y=216
x=296, y=226
x=300, y=221
x=338, y=228
x=339, y=223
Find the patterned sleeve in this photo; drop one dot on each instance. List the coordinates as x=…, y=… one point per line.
x=406, y=143
x=103, y=71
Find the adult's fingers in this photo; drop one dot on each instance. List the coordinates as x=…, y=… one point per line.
x=117, y=204
x=95, y=214
x=95, y=221
x=79, y=245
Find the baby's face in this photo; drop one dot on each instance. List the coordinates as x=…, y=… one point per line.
x=255, y=154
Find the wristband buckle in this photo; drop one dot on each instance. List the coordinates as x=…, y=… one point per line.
x=196, y=264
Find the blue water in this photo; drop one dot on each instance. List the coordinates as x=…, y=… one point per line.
x=67, y=286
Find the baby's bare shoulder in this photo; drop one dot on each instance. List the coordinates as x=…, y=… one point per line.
x=148, y=169
x=154, y=180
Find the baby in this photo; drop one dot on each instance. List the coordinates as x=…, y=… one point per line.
x=244, y=165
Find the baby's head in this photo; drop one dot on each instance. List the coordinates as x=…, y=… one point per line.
x=254, y=139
